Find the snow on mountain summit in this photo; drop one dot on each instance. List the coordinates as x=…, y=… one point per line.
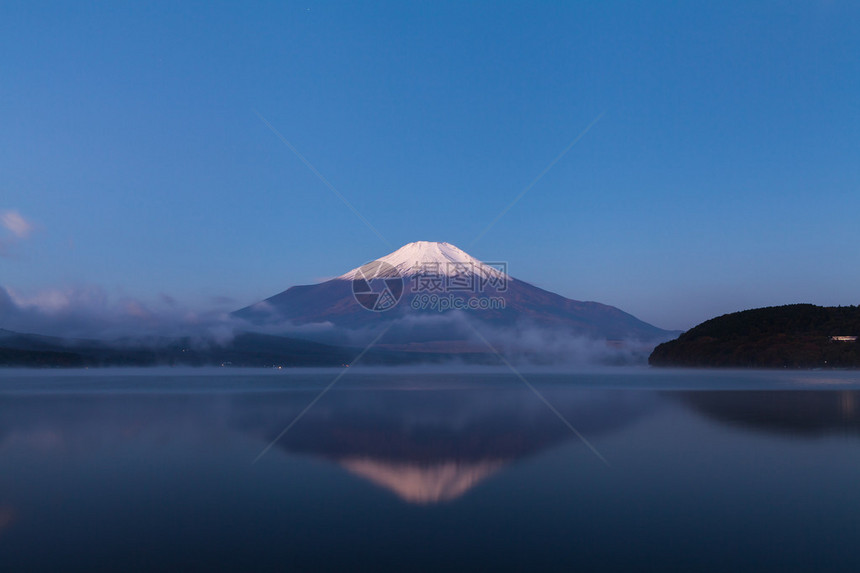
x=432, y=257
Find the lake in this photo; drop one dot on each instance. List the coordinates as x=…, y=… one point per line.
x=610, y=470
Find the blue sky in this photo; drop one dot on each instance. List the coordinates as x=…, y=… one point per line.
x=723, y=174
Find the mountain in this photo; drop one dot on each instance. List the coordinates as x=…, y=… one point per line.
x=428, y=294
x=791, y=336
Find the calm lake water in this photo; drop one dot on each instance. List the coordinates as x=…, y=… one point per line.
x=624, y=470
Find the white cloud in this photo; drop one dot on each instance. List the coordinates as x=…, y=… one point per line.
x=14, y=222
x=88, y=312
x=17, y=228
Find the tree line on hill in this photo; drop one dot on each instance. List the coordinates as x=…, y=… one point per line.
x=791, y=336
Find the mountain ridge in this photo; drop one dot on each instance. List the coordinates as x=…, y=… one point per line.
x=519, y=304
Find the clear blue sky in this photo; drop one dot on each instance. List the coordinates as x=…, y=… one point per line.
x=724, y=173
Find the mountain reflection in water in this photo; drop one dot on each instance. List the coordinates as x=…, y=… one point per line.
x=424, y=443
x=709, y=471
x=433, y=445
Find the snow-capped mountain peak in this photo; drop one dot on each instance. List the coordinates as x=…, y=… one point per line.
x=423, y=257
x=335, y=303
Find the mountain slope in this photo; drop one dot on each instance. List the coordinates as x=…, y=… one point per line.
x=439, y=270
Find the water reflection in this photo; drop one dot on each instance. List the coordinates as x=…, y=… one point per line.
x=800, y=412
x=7, y=516
x=422, y=443
x=157, y=474
x=425, y=445
x=432, y=446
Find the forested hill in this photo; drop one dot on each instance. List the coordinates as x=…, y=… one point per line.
x=792, y=336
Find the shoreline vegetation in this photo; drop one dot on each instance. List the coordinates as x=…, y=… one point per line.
x=796, y=336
